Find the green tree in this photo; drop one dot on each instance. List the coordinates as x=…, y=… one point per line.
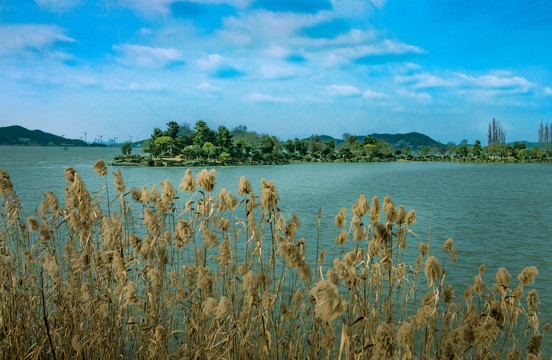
x=276, y=147
x=301, y=146
x=407, y=150
x=370, y=150
x=156, y=133
x=369, y=140
x=265, y=144
x=289, y=147
x=461, y=150
x=425, y=151
x=202, y=134
x=351, y=142
x=225, y=157
x=382, y=148
x=165, y=144
x=208, y=148
x=475, y=149
x=225, y=139
x=126, y=148
x=329, y=148
x=316, y=145
x=172, y=129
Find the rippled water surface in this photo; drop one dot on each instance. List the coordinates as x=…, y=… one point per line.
x=497, y=214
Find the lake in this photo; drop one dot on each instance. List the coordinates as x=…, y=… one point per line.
x=497, y=214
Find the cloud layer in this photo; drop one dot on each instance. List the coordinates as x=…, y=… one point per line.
x=262, y=63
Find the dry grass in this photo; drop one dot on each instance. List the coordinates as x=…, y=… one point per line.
x=195, y=275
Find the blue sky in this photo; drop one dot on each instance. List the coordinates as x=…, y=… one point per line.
x=291, y=68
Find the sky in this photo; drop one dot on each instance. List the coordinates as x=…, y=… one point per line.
x=290, y=68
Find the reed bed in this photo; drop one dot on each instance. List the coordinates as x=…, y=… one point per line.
x=163, y=273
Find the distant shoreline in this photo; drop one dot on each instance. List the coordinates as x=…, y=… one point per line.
x=142, y=161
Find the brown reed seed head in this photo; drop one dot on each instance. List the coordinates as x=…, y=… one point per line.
x=534, y=344
x=389, y=209
x=533, y=299
x=411, y=218
x=385, y=345
x=100, y=168
x=169, y=194
x=119, y=183
x=401, y=215
x=269, y=197
x=448, y=294
x=341, y=218
x=527, y=276
x=361, y=207
x=188, y=183
x=6, y=186
x=209, y=306
x=33, y=223
x=329, y=304
x=433, y=269
x=341, y=239
x=447, y=246
x=405, y=335
x=375, y=210
x=244, y=187
x=206, y=180
x=422, y=249
x=503, y=277
x=223, y=308
x=482, y=268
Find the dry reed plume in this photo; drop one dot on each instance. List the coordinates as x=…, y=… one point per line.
x=160, y=273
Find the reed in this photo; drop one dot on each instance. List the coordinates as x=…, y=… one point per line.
x=197, y=275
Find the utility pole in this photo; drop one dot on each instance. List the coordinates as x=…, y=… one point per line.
x=84, y=136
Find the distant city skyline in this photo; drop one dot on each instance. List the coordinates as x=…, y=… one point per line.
x=290, y=68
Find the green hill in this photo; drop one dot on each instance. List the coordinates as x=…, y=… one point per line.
x=413, y=139
x=18, y=135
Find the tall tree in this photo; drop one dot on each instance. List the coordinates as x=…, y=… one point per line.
x=289, y=146
x=225, y=139
x=172, y=129
x=496, y=134
x=202, y=134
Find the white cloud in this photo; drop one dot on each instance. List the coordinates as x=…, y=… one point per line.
x=424, y=97
x=212, y=61
x=145, y=31
x=273, y=71
x=498, y=82
x=206, y=86
x=384, y=47
x=258, y=97
x=161, y=7
x=548, y=91
x=369, y=94
x=145, y=56
x=136, y=86
x=58, y=5
x=21, y=38
x=277, y=52
x=343, y=90
x=425, y=80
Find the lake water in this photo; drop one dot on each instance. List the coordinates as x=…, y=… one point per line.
x=497, y=214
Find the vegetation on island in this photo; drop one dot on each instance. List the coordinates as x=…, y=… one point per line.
x=158, y=273
x=201, y=145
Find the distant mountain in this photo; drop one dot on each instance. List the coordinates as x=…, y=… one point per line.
x=18, y=135
x=413, y=139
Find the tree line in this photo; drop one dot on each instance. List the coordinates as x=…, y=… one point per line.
x=239, y=145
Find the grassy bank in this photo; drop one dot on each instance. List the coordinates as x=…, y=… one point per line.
x=187, y=273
